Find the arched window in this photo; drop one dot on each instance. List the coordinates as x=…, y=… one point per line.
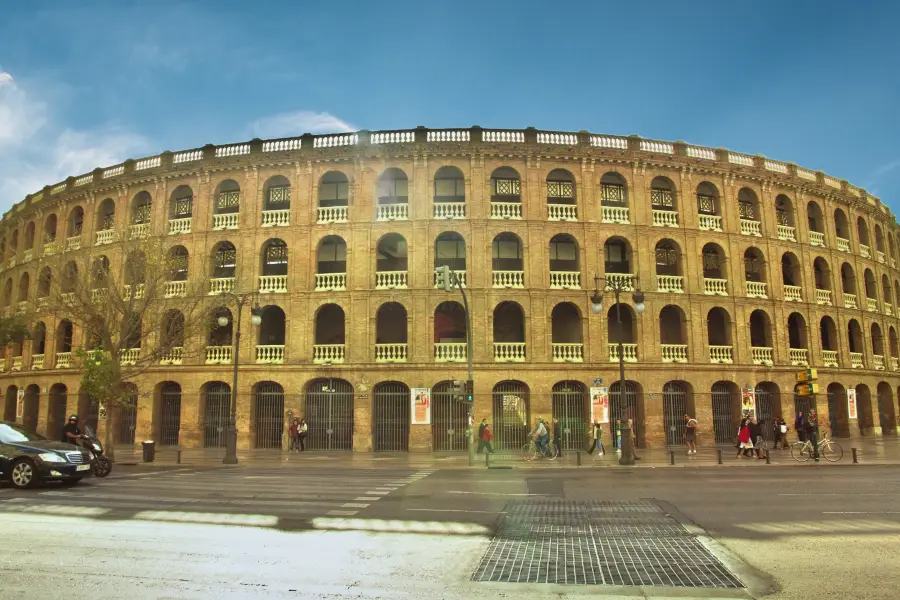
x=391, y=333
x=708, y=207
x=561, y=203
x=449, y=193
x=181, y=210
x=507, y=262
x=566, y=333
x=614, y=198
x=749, y=210
x=331, y=264
x=331, y=340
x=509, y=332
x=565, y=272
x=227, y=205
x=450, y=250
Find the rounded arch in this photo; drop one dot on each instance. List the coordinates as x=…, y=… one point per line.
x=822, y=275
x=797, y=334
x=449, y=185
x=719, y=331
x=390, y=326
x=181, y=202
x=220, y=335
x=617, y=255
x=565, y=261
x=331, y=256
x=506, y=185
x=29, y=235
x=628, y=332
x=854, y=336
x=791, y=273
x=566, y=324
x=24, y=287
x=511, y=414
x=879, y=238
x=866, y=416
x=39, y=339
x=176, y=258
x=56, y=410
x=748, y=205
x=509, y=323
x=449, y=323
x=273, y=326
x=141, y=207
x=754, y=265
x=862, y=230
x=49, y=229
x=726, y=410
x=224, y=260
x=869, y=281
x=672, y=325
x=571, y=414
x=167, y=413
x=506, y=252
x=828, y=334
x=391, y=253
x=227, y=200
x=893, y=344
x=75, y=222
x=668, y=258
x=334, y=189
x=784, y=211
x=841, y=225
x=708, y=199
x=450, y=251
x=274, y=258
x=329, y=412
x=848, y=279
x=277, y=193
x=678, y=403
x=391, y=415
x=761, y=335
x=393, y=187
x=887, y=295
x=613, y=189
x=877, y=341
x=560, y=187
x=714, y=261
x=43, y=283
x=330, y=323
x=663, y=194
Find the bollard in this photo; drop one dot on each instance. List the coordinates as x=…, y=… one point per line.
x=487, y=460
x=578, y=458
x=767, y=457
x=671, y=457
x=855, y=461
x=719, y=456
x=178, y=456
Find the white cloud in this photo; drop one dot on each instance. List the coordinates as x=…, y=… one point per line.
x=20, y=116
x=297, y=123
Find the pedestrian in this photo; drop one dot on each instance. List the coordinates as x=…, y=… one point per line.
x=811, y=426
x=540, y=434
x=481, y=429
x=633, y=433
x=618, y=436
x=294, y=433
x=302, y=430
x=484, y=437
x=783, y=427
x=557, y=436
x=690, y=434
x=743, y=439
x=597, y=435
x=799, y=428
x=756, y=436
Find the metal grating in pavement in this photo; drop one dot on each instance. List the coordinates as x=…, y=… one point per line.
x=600, y=543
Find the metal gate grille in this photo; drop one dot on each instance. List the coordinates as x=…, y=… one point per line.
x=57, y=420
x=511, y=415
x=764, y=413
x=171, y=415
x=801, y=404
x=269, y=410
x=128, y=419
x=392, y=405
x=886, y=414
x=448, y=420
x=674, y=408
x=215, y=414
x=570, y=408
x=329, y=414
x=724, y=399
x=623, y=407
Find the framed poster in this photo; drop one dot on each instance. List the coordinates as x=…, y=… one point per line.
x=421, y=406
x=20, y=404
x=748, y=402
x=599, y=405
x=851, y=404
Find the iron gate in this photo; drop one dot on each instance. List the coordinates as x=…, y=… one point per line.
x=57, y=420
x=170, y=414
x=570, y=402
x=31, y=409
x=127, y=419
x=623, y=408
x=269, y=415
x=886, y=414
x=674, y=396
x=835, y=402
x=724, y=399
x=802, y=404
x=391, y=427
x=765, y=413
x=511, y=415
x=449, y=420
x=215, y=414
x=329, y=414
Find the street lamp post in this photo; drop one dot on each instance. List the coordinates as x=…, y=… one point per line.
x=617, y=286
x=255, y=319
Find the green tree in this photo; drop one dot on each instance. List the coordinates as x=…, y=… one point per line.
x=13, y=330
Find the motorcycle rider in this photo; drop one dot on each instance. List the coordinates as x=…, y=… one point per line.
x=71, y=433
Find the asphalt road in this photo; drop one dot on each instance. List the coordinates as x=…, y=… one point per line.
x=338, y=532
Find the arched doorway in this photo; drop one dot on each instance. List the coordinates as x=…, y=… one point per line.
x=268, y=408
x=30, y=407
x=866, y=419
x=56, y=416
x=726, y=409
x=449, y=418
x=622, y=407
x=837, y=410
x=676, y=397
x=390, y=431
x=170, y=414
x=570, y=407
x=768, y=405
x=9, y=406
x=329, y=414
x=511, y=415
x=216, y=410
x=886, y=414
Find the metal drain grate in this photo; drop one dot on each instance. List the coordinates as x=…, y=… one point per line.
x=605, y=543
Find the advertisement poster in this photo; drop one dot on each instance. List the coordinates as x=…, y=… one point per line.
x=421, y=406
x=748, y=403
x=851, y=404
x=599, y=405
x=20, y=404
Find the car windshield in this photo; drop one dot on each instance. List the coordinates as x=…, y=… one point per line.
x=12, y=434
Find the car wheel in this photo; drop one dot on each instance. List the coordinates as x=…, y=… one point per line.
x=23, y=474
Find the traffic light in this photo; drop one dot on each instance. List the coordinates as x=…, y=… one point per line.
x=444, y=278
x=807, y=376
x=470, y=390
x=807, y=389
x=458, y=390
x=807, y=385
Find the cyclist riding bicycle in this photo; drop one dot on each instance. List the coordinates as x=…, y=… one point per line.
x=541, y=435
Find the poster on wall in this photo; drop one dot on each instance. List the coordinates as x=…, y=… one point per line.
x=748, y=403
x=20, y=404
x=851, y=403
x=599, y=405
x=421, y=406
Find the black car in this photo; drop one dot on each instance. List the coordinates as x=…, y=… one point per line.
x=28, y=458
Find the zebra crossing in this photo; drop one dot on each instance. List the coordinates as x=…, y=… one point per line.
x=273, y=497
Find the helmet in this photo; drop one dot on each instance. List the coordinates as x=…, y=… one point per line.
x=73, y=417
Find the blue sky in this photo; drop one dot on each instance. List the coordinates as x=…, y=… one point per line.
x=89, y=84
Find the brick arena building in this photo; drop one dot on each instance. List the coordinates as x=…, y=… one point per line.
x=752, y=269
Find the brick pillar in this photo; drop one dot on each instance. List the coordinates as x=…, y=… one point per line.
x=362, y=421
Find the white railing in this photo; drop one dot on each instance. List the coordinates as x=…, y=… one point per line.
x=68, y=298
x=37, y=362
x=393, y=137
x=665, y=218
x=777, y=167
x=148, y=163
x=73, y=243
x=232, y=150
x=850, y=300
x=174, y=356
x=63, y=360
x=178, y=226
x=273, y=284
x=623, y=281
x=843, y=244
x=568, y=352
x=823, y=297
x=461, y=275
x=700, y=152
x=187, y=156
x=721, y=355
x=392, y=212
x=515, y=137
x=756, y=289
x=509, y=279
x=173, y=289
x=56, y=189
x=509, y=351
x=27, y=255
x=806, y=174
x=895, y=363
x=270, y=355
x=221, y=285
x=864, y=251
x=677, y=353
x=629, y=351
x=565, y=280
x=710, y=222
x=506, y=210
x=787, y=233
x=331, y=282
x=893, y=262
x=615, y=214
x=276, y=218
x=606, y=141
x=562, y=212
x=832, y=182
x=129, y=356
x=139, y=230
x=879, y=256
x=740, y=159
x=218, y=355
x=386, y=280
x=817, y=238
x=43, y=303
x=830, y=358
x=856, y=360
x=390, y=353
x=670, y=283
x=871, y=304
x=751, y=228
x=334, y=141
x=84, y=180
x=100, y=295
x=282, y=145
x=449, y=210
x=16, y=364
x=657, y=147
x=762, y=356
x=888, y=310
x=139, y=291
x=113, y=171
x=326, y=354
x=799, y=357
x=878, y=359
x=332, y=214
x=448, y=135
x=450, y=352
x=793, y=293
x=226, y=221
x=22, y=306
x=715, y=287
x=558, y=139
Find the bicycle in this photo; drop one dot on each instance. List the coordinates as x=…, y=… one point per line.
x=530, y=451
x=829, y=450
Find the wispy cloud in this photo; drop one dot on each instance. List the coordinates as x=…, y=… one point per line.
x=298, y=123
x=886, y=168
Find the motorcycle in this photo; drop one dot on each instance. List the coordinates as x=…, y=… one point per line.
x=101, y=466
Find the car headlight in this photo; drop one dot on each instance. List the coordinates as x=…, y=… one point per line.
x=51, y=458
x=96, y=447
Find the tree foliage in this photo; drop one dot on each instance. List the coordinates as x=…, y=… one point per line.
x=13, y=330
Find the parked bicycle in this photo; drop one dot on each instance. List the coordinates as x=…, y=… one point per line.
x=829, y=450
x=530, y=451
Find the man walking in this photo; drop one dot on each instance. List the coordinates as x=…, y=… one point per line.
x=557, y=436
x=481, y=427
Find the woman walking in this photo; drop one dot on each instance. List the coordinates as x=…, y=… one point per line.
x=597, y=434
x=302, y=429
x=744, y=444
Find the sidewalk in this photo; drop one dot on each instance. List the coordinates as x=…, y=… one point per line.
x=870, y=451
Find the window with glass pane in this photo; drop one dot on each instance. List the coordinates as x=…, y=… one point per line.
x=563, y=256
x=334, y=194
x=393, y=191
x=332, y=258
x=613, y=195
x=711, y=264
x=706, y=205
x=276, y=258
x=449, y=190
x=616, y=258
x=752, y=268
x=507, y=255
x=451, y=253
x=662, y=199
x=666, y=260
x=183, y=207
x=747, y=210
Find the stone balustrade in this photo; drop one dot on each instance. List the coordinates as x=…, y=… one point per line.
x=562, y=212
x=139, y=290
x=856, y=360
x=850, y=300
x=879, y=256
x=174, y=289
x=823, y=297
x=43, y=303
x=709, y=222
x=567, y=352
x=461, y=275
x=830, y=358
x=817, y=238
x=392, y=212
x=674, y=353
x=843, y=244
x=878, y=360
x=622, y=281
x=509, y=279
x=509, y=351
x=391, y=353
x=506, y=210
x=174, y=356
x=756, y=289
x=37, y=362
x=218, y=355
x=16, y=364
x=273, y=284
x=225, y=221
x=665, y=218
x=129, y=356
x=332, y=214
x=272, y=354
x=721, y=355
x=761, y=355
x=715, y=287
x=221, y=285
x=629, y=352
x=670, y=283
x=787, y=234
x=793, y=293
x=22, y=307
x=888, y=310
x=449, y=210
x=565, y=280
x=139, y=231
x=753, y=228
x=871, y=304
x=331, y=282
x=388, y=280
x=864, y=251
x=616, y=214
x=799, y=357
x=324, y=354
x=64, y=360
x=180, y=226
x=73, y=243
x=276, y=218
x=450, y=352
